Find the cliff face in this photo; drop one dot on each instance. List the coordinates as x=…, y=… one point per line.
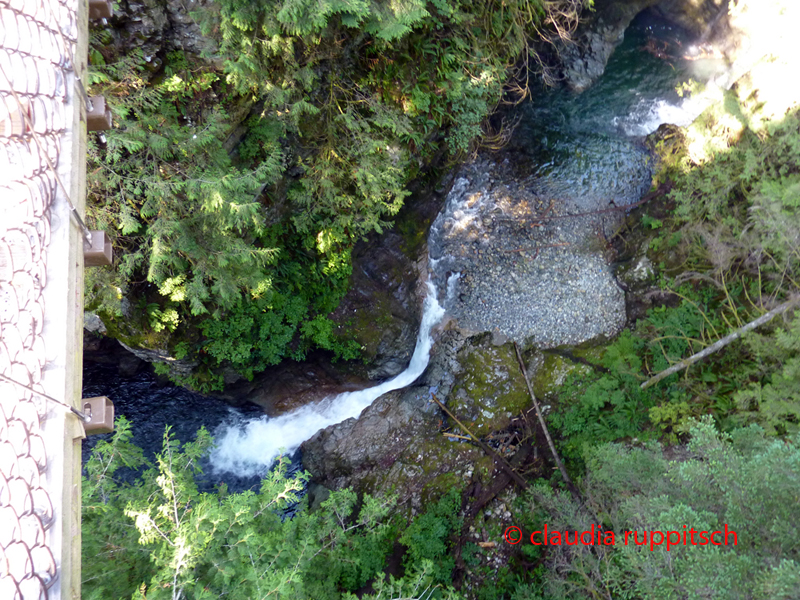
x=159, y=26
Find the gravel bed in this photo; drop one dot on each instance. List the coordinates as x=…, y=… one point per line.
x=510, y=267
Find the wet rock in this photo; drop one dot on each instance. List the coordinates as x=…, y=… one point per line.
x=585, y=56
x=290, y=385
x=489, y=388
x=696, y=16
x=104, y=350
x=637, y=275
x=316, y=494
x=185, y=32
x=668, y=145
x=545, y=282
x=399, y=443
x=395, y=445
x=381, y=308
x=156, y=355
x=93, y=323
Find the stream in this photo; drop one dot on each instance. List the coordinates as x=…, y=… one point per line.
x=582, y=149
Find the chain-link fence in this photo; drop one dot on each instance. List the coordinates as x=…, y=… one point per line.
x=37, y=40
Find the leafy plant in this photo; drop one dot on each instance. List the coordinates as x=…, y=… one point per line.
x=744, y=481
x=158, y=537
x=341, y=105
x=428, y=536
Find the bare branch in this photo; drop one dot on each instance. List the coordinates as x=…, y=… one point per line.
x=573, y=490
x=765, y=318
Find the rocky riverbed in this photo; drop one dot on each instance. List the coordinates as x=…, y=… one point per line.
x=530, y=253
x=528, y=270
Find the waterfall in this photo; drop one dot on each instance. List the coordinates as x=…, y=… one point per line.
x=249, y=448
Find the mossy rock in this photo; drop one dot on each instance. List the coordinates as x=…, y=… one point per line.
x=490, y=389
x=555, y=369
x=669, y=146
x=367, y=325
x=433, y=465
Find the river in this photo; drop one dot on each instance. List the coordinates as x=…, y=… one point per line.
x=585, y=147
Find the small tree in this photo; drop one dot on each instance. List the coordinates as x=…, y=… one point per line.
x=159, y=538
x=744, y=480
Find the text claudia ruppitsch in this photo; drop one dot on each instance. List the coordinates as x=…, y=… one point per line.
x=597, y=536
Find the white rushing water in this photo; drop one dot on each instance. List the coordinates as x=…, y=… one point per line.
x=250, y=448
x=649, y=114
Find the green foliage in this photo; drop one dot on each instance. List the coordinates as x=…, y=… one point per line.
x=114, y=563
x=190, y=223
x=428, y=536
x=744, y=480
x=158, y=537
x=650, y=222
x=417, y=584
x=671, y=418
x=237, y=262
x=608, y=406
x=775, y=402
x=169, y=188
x=746, y=197
x=736, y=213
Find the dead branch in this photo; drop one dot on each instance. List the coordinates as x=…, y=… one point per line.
x=456, y=436
x=692, y=275
x=573, y=490
x=501, y=462
x=687, y=362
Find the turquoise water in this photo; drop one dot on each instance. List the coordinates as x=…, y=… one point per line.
x=587, y=150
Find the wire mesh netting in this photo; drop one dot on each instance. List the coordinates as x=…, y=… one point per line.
x=37, y=39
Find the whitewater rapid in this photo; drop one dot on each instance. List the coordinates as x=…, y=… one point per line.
x=249, y=448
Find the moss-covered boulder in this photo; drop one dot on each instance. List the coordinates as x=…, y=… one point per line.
x=489, y=389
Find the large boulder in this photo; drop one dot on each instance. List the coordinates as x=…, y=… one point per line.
x=381, y=308
x=584, y=58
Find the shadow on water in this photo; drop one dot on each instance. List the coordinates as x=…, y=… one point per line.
x=151, y=405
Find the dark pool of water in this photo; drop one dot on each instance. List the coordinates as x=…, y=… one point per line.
x=151, y=405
